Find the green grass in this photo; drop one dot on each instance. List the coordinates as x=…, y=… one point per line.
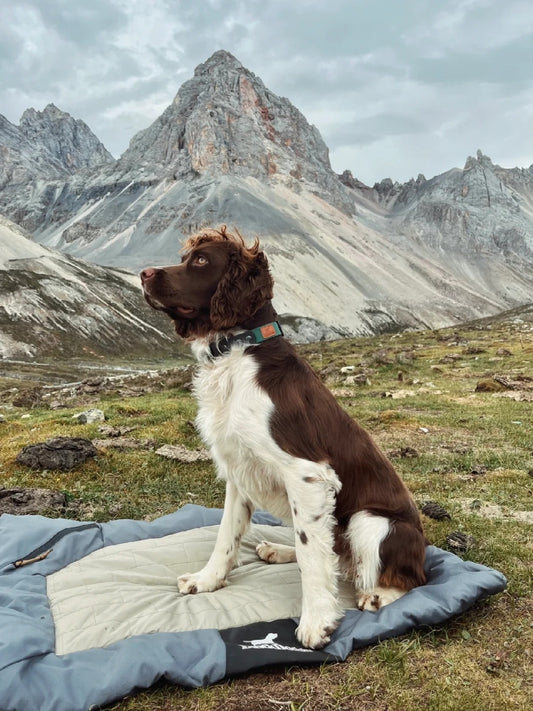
x=479, y=661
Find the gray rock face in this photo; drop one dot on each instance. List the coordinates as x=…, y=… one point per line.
x=71, y=142
x=224, y=121
x=20, y=161
x=37, y=157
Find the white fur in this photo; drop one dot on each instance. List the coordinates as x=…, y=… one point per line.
x=365, y=533
x=233, y=418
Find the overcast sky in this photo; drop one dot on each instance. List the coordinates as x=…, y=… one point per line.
x=396, y=87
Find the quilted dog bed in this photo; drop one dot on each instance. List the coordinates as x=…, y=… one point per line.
x=89, y=612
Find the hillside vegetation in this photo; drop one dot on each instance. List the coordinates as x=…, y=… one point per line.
x=453, y=408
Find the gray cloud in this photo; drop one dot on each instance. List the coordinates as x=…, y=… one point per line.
x=395, y=88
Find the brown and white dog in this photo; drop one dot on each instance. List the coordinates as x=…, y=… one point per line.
x=282, y=443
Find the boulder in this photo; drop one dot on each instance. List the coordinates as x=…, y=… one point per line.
x=57, y=453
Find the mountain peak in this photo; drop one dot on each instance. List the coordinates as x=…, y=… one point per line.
x=480, y=159
x=219, y=59
x=69, y=141
x=224, y=121
x=50, y=112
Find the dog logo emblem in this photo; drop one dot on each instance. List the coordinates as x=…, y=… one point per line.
x=269, y=643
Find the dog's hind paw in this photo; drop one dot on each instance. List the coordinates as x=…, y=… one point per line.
x=375, y=599
x=275, y=552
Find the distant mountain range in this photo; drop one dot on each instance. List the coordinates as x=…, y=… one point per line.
x=347, y=258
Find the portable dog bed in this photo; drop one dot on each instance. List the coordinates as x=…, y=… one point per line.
x=90, y=612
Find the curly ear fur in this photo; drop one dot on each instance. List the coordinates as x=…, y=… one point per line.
x=245, y=287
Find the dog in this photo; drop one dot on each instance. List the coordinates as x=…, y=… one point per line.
x=282, y=443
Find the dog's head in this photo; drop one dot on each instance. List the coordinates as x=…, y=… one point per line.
x=219, y=284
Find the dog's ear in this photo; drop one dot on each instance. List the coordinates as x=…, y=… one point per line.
x=244, y=288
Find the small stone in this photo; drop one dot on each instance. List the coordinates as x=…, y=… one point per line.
x=56, y=405
x=404, y=453
x=178, y=451
x=450, y=358
x=503, y=352
x=460, y=541
x=110, y=431
x=89, y=416
x=124, y=443
x=502, y=380
x=479, y=470
x=435, y=510
x=357, y=379
x=405, y=357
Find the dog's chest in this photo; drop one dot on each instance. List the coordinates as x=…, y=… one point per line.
x=234, y=420
x=232, y=408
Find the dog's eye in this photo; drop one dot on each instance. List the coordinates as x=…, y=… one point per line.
x=200, y=260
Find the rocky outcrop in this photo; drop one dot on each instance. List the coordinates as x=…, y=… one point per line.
x=21, y=161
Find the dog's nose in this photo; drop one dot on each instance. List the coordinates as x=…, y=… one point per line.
x=147, y=274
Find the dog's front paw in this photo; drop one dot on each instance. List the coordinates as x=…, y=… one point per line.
x=313, y=635
x=203, y=581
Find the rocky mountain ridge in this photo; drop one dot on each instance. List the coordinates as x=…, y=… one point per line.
x=481, y=208
x=52, y=305
x=347, y=258
x=47, y=144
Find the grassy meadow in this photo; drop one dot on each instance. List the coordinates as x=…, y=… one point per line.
x=473, y=454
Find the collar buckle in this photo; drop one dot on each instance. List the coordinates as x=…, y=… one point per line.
x=222, y=346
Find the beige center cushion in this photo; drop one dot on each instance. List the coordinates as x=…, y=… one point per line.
x=130, y=589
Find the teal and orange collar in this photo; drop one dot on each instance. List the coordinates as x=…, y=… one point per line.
x=248, y=338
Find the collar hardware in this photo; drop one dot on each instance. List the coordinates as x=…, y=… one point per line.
x=252, y=337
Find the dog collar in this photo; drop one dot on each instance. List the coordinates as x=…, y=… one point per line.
x=248, y=338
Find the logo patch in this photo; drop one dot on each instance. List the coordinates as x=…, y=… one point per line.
x=269, y=643
x=268, y=331
x=263, y=643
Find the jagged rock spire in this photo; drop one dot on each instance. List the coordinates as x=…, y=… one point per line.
x=224, y=121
